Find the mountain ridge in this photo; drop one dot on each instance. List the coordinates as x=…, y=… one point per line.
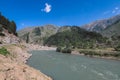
x=39, y=34
x=100, y=25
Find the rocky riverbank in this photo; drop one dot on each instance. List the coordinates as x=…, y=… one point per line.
x=13, y=67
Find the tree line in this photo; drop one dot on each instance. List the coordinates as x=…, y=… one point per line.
x=7, y=24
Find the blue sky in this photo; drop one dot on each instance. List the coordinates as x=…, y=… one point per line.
x=58, y=12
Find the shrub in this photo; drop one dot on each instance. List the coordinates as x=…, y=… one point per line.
x=4, y=51
x=69, y=50
x=63, y=50
x=66, y=50
x=58, y=49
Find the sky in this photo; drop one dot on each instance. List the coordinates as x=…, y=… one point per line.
x=28, y=13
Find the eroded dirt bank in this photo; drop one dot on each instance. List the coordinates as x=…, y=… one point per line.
x=13, y=67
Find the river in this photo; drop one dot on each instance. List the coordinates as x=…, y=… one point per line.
x=61, y=66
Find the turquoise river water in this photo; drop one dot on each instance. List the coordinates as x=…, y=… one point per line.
x=73, y=67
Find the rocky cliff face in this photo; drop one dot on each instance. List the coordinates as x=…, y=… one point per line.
x=37, y=35
x=12, y=66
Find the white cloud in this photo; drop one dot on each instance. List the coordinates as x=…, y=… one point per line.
x=117, y=8
x=47, y=8
x=106, y=12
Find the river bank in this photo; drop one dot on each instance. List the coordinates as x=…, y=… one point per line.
x=13, y=67
x=31, y=47
x=98, y=53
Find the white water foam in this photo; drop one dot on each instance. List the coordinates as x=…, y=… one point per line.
x=99, y=74
x=115, y=76
x=83, y=66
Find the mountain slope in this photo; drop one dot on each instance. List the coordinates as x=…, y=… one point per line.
x=101, y=25
x=37, y=35
x=51, y=35
x=113, y=30
x=60, y=36
x=75, y=36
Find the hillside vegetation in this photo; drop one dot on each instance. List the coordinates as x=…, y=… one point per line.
x=7, y=24
x=75, y=37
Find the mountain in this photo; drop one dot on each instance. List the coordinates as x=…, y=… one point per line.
x=113, y=30
x=101, y=25
x=60, y=36
x=64, y=28
x=76, y=37
x=86, y=35
x=37, y=35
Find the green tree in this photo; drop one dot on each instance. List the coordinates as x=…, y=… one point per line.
x=12, y=27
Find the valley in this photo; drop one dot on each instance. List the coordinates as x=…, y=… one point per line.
x=101, y=35
x=68, y=52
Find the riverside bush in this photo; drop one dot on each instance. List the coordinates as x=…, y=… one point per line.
x=58, y=49
x=64, y=50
